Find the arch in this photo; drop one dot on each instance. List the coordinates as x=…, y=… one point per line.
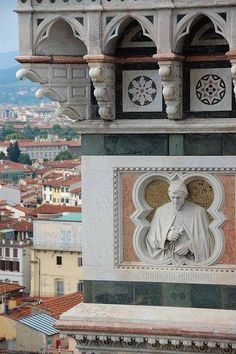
x=185, y=24
x=117, y=25
x=45, y=27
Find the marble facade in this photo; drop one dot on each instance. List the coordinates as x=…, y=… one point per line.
x=150, y=86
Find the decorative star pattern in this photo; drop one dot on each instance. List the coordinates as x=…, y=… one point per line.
x=142, y=90
x=210, y=89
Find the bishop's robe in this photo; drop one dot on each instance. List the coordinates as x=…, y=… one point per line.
x=192, y=219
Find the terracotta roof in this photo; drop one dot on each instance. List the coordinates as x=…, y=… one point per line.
x=32, y=143
x=76, y=190
x=53, y=306
x=54, y=209
x=9, y=287
x=6, y=165
x=58, y=305
x=27, y=211
x=18, y=225
x=63, y=164
x=62, y=181
x=20, y=312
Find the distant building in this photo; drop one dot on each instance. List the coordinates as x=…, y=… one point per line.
x=15, y=242
x=10, y=194
x=13, y=171
x=56, y=259
x=39, y=150
x=63, y=191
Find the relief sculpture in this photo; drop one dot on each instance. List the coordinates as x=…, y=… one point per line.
x=179, y=229
x=178, y=218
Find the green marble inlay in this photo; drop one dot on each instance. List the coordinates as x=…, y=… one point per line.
x=125, y=144
x=161, y=294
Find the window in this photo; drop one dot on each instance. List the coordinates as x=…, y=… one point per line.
x=59, y=287
x=62, y=200
x=16, y=266
x=59, y=260
x=15, y=252
x=0, y=251
x=80, y=286
x=7, y=252
x=2, y=265
x=11, y=266
x=80, y=263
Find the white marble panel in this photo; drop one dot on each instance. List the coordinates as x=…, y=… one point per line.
x=210, y=90
x=142, y=91
x=99, y=229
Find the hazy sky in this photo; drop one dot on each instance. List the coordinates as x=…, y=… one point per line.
x=8, y=26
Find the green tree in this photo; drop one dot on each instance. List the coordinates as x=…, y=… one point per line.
x=64, y=155
x=2, y=156
x=13, y=152
x=25, y=159
x=14, y=136
x=56, y=129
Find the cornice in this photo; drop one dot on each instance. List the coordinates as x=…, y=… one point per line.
x=158, y=126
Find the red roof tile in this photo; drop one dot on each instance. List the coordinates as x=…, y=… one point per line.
x=58, y=305
x=20, y=312
x=54, y=209
x=9, y=287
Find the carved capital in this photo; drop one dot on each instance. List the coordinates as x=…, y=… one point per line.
x=171, y=78
x=103, y=76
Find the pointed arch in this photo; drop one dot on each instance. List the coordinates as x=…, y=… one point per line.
x=185, y=24
x=117, y=25
x=44, y=28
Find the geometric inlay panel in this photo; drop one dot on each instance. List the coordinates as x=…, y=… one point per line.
x=142, y=91
x=210, y=90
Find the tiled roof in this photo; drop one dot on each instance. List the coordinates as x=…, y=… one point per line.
x=20, y=312
x=63, y=164
x=9, y=287
x=6, y=165
x=32, y=143
x=62, y=181
x=27, y=211
x=18, y=225
x=58, y=305
x=53, y=306
x=54, y=209
x=76, y=190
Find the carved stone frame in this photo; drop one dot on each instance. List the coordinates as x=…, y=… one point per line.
x=143, y=209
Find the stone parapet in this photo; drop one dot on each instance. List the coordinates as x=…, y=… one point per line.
x=149, y=329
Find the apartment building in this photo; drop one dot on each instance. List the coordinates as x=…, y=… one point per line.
x=65, y=191
x=56, y=259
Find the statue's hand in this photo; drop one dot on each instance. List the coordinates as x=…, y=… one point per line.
x=173, y=235
x=182, y=251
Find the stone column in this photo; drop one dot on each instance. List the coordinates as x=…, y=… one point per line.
x=170, y=72
x=102, y=74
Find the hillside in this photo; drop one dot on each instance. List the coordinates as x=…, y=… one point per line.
x=13, y=91
x=7, y=60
